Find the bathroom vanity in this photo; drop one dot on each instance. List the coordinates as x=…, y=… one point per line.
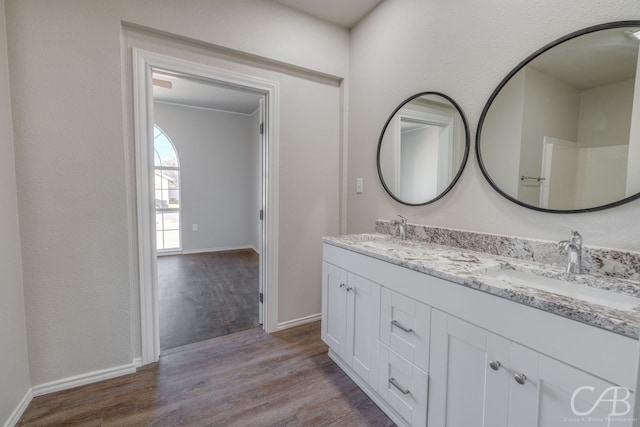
x=447, y=336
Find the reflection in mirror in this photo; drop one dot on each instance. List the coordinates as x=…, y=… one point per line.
x=423, y=148
x=562, y=132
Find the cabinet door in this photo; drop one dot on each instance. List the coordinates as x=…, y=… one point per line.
x=405, y=325
x=334, y=308
x=555, y=394
x=363, y=320
x=464, y=390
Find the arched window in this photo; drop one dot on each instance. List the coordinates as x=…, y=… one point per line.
x=167, y=192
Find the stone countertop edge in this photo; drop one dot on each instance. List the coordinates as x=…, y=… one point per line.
x=623, y=322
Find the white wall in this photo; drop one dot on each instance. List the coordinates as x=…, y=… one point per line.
x=218, y=176
x=503, y=126
x=14, y=369
x=633, y=165
x=563, y=174
x=464, y=49
x=605, y=114
x=602, y=174
x=419, y=164
x=551, y=108
x=74, y=157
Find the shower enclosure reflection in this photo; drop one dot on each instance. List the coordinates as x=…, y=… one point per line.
x=563, y=132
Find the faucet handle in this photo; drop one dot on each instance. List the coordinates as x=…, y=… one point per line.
x=576, y=237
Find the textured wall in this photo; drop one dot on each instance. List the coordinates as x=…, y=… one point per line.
x=72, y=120
x=218, y=177
x=464, y=48
x=14, y=369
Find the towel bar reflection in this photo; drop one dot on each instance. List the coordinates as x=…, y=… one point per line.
x=537, y=178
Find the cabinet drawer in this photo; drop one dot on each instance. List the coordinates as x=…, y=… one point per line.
x=405, y=326
x=403, y=386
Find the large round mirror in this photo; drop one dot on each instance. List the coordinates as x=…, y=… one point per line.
x=423, y=148
x=561, y=133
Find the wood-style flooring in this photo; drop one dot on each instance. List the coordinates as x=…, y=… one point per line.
x=245, y=379
x=202, y=296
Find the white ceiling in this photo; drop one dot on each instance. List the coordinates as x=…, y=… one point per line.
x=345, y=13
x=592, y=60
x=204, y=94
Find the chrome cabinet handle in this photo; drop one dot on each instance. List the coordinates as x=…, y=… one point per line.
x=348, y=288
x=520, y=378
x=394, y=383
x=495, y=365
x=404, y=328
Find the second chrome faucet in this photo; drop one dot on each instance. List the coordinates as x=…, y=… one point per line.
x=573, y=249
x=402, y=226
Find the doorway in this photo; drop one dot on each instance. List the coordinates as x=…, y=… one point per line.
x=208, y=180
x=150, y=68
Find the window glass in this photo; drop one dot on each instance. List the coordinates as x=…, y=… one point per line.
x=166, y=192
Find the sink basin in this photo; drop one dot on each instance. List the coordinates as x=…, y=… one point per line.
x=384, y=244
x=560, y=287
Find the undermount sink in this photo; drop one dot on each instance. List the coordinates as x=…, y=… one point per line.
x=383, y=244
x=561, y=287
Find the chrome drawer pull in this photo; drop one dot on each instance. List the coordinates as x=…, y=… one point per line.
x=404, y=328
x=394, y=383
x=495, y=365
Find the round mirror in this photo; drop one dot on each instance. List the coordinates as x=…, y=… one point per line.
x=423, y=148
x=561, y=133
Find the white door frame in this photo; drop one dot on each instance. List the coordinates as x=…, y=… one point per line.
x=143, y=63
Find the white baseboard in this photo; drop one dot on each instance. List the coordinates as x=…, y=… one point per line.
x=67, y=383
x=83, y=379
x=299, y=322
x=22, y=406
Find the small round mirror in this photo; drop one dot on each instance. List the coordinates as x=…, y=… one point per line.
x=423, y=148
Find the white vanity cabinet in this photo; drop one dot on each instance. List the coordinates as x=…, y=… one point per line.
x=436, y=353
x=403, y=386
x=403, y=355
x=481, y=379
x=350, y=327
x=553, y=390
x=464, y=390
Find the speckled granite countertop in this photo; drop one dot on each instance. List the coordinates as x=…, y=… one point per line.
x=481, y=271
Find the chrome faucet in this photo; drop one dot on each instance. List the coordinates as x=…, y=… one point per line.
x=402, y=226
x=573, y=248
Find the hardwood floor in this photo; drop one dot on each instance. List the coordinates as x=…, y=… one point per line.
x=245, y=379
x=202, y=296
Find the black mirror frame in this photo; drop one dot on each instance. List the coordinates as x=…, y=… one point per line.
x=607, y=26
x=464, y=158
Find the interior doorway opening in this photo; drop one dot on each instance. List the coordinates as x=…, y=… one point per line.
x=153, y=70
x=208, y=227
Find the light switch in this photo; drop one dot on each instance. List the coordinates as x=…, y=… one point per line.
x=359, y=185
x=194, y=227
